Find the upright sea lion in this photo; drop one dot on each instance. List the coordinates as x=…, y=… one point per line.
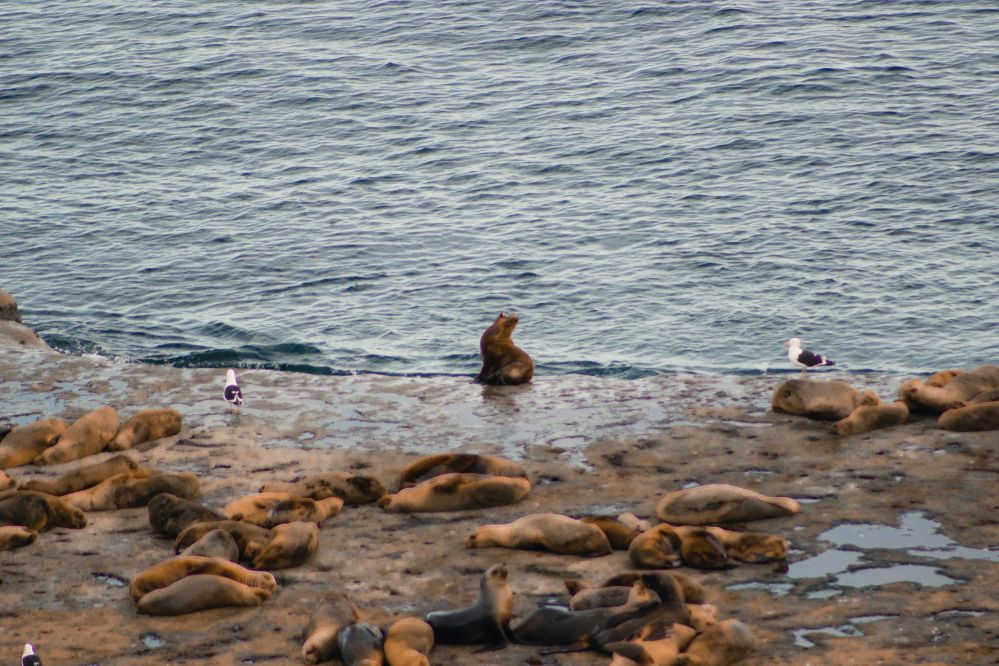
x=663, y=651
x=751, y=547
x=408, y=642
x=292, y=545
x=872, y=417
x=133, y=489
x=16, y=536
x=302, y=509
x=167, y=572
x=88, y=435
x=975, y=417
x=721, y=644
x=82, y=477
x=926, y=399
x=169, y=514
x=618, y=534
x=487, y=621
x=503, y=363
x=457, y=492
x=39, y=512
x=146, y=426
x=333, y=612
x=656, y=548
x=693, y=592
x=217, y=543
x=543, y=531
x=827, y=401
x=360, y=644
x=721, y=503
x=25, y=443
x=458, y=463
x=200, y=592
x=251, y=539
x=353, y=489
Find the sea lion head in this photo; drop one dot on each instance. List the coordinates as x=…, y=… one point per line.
x=497, y=572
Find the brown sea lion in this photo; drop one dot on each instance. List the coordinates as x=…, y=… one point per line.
x=292, y=545
x=925, y=399
x=721, y=644
x=133, y=489
x=88, y=435
x=460, y=463
x=217, y=543
x=599, y=597
x=39, y=512
x=251, y=539
x=702, y=616
x=751, y=547
x=302, y=509
x=16, y=536
x=457, y=492
x=200, y=592
x=408, y=642
x=872, y=417
x=360, y=644
x=656, y=548
x=254, y=508
x=647, y=622
x=25, y=443
x=700, y=549
x=941, y=378
x=984, y=396
x=167, y=572
x=8, y=308
x=973, y=418
x=486, y=621
x=827, y=401
x=543, y=531
x=618, y=534
x=664, y=651
x=693, y=592
x=5, y=481
x=721, y=503
x=169, y=514
x=333, y=612
x=503, y=363
x=146, y=426
x=83, y=477
x=353, y=489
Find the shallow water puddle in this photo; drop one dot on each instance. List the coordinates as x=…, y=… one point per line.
x=843, y=631
x=151, y=641
x=110, y=579
x=917, y=534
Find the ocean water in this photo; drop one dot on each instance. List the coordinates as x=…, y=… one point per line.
x=341, y=187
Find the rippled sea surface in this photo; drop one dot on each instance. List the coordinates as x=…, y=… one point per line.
x=363, y=186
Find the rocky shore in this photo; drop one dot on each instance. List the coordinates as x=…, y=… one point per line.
x=890, y=556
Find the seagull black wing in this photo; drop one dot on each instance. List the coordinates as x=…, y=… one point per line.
x=811, y=359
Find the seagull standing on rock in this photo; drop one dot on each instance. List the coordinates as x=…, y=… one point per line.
x=803, y=358
x=232, y=393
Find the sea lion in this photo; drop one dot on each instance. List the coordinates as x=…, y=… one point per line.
x=16, y=536
x=599, y=597
x=333, y=612
x=461, y=463
x=39, y=512
x=8, y=308
x=457, y=492
x=408, y=642
x=83, y=477
x=353, y=489
x=487, y=621
x=702, y=616
x=941, y=378
x=925, y=399
x=302, y=509
x=169, y=514
x=973, y=418
x=721, y=644
x=167, y=572
x=503, y=363
x=200, y=592
x=5, y=481
x=826, y=401
x=146, y=426
x=693, y=592
x=292, y=545
x=217, y=543
x=984, y=396
x=251, y=539
x=721, y=503
x=132, y=489
x=618, y=534
x=25, y=443
x=872, y=417
x=88, y=435
x=662, y=651
x=656, y=548
x=751, y=547
x=543, y=531
x=700, y=549
x=360, y=644
x=647, y=621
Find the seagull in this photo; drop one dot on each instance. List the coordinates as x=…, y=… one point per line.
x=803, y=358
x=28, y=657
x=232, y=392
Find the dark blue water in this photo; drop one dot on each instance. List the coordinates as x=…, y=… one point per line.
x=363, y=186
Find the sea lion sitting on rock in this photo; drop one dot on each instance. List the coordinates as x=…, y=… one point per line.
x=251, y=539
x=292, y=545
x=132, y=489
x=200, y=592
x=167, y=572
x=721, y=644
x=543, y=531
x=146, y=426
x=926, y=399
x=661, y=651
x=16, y=536
x=83, y=477
x=618, y=534
x=353, y=489
x=408, y=642
x=721, y=503
x=169, y=514
x=655, y=548
x=463, y=463
x=487, y=621
x=975, y=417
x=25, y=443
x=826, y=401
x=333, y=612
x=503, y=363
x=39, y=512
x=88, y=435
x=360, y=644
x=872, y=417
x=457, y=492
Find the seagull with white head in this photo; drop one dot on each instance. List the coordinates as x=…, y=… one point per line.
x=803, y=358
x=232, y=393
x=28, y=657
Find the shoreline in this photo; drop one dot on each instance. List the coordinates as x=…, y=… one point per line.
x=590, y=444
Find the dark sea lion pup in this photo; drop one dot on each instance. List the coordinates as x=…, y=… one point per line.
x=169, y=514
x=334, y=612
x=360, y=644
x=503, y=363
x=488, y=621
